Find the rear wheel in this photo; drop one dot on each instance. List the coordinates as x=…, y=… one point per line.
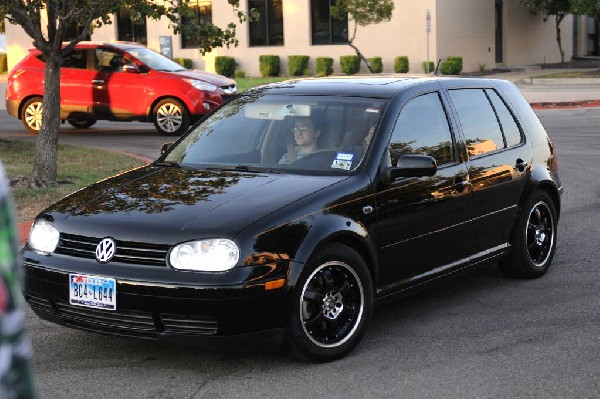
x=332, y=305
x=31, y=114
x=81, y=123
x=535, y=239
x=171, y=117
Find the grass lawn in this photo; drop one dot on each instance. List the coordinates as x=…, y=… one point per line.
x=571, y=75
x=73, y=173
x=247, y=83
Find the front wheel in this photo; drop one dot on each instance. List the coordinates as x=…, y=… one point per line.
x=170, y=117
x=534, y=239
x=31, y=114
x=81, y=123
x=333, y=303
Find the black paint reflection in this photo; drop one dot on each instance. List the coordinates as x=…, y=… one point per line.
x=149, y=190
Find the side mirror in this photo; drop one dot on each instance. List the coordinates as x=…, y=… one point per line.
x=414, y=166
x=165, y=147
x=131, y=68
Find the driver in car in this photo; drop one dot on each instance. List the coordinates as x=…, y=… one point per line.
x=306, y=136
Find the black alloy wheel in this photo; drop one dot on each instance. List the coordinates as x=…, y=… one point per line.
x=535, y=239
x=333, y=303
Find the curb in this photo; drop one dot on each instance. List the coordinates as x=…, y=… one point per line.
x=566, y=104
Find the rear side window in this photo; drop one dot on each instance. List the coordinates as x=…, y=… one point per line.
x=511, y=130
x=487, y=123
x=422, y=128
x=77, y=59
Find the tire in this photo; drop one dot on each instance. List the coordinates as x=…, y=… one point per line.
x=534, y=239
x=332, y=304
x=31, y=114
x=82, y=123
x=171, y=117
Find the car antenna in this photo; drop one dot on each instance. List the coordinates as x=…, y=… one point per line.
x=436, y=71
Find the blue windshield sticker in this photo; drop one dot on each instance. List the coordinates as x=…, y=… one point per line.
x=344, y=156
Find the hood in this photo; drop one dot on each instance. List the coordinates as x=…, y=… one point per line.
x=209, y=77
x=172, y=204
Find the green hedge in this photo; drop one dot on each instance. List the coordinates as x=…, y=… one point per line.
x=459, y=63
x=350, y=64
x=225, y=65
x=269, y=65
x=298, y=65
x=324, y=66
x=184, y=62
x=401, y=64
x=448, y=67
x=376, y=64
x=3, y=63
x=431, y=66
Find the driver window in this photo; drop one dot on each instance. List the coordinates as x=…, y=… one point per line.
x=110, y=61
x=422, y=128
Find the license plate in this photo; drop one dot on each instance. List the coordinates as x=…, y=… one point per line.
x=93, y=291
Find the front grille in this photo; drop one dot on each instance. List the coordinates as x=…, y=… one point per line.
x=121, y=319
x=187, y=324
x=127, y=252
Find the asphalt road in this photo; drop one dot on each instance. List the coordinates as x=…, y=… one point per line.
x=477, y=336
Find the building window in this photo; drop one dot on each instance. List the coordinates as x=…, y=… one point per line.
x=131, y=29
x=325, y=28
x=201, y=15
x=268, y=30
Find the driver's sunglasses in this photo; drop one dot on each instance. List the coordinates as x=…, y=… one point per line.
x=302, y=130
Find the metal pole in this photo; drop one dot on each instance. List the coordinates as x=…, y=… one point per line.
x=428, y=30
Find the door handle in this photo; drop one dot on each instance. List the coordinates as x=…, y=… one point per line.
x=521, y=165
x=97, y=82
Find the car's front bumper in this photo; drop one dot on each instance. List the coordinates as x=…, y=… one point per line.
x=212, y=315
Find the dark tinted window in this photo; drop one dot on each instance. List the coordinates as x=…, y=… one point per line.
x=76, y=59
x=478, y=120
x=130, y=27
x=422, y=128
x=268, y=30
x=201, y=11
x=325, y=28
x=511, y=130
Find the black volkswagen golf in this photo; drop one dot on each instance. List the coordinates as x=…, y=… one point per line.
x=291, y=211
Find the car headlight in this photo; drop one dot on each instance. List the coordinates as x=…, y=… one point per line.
x=201, y=85
x=43, y=236
x=213, y=255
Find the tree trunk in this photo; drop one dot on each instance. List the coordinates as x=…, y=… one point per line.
x=362, y=57
x=46, y=148
x=559, y=39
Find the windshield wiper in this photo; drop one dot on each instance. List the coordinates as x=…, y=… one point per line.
x=244, y=168
x=167, y=163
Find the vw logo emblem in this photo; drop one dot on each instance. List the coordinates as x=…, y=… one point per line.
x=105, y=250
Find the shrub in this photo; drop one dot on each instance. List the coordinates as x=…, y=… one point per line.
x=324, y=66
x=350, y=64
x=269, y=65
x=240, y=74
x=401, y=64
x=459, y=63
x=3, y=63
x=184, y=62
x=431, y=66
x=376, y=64
x=447, y=67
x=225, y=66
x=298, y=65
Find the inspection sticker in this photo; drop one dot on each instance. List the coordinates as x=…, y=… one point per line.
x=341, y=164
x=342, y=156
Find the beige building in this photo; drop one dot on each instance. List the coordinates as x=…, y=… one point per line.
x=486, y=33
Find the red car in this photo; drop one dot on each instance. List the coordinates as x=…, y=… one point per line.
x=118, y=82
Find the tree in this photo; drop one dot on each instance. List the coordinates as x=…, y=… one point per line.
x=363, y=13
x=47, y=23
x=559, y=8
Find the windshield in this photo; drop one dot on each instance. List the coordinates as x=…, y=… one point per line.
x=155, y=60
x=323, y=135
